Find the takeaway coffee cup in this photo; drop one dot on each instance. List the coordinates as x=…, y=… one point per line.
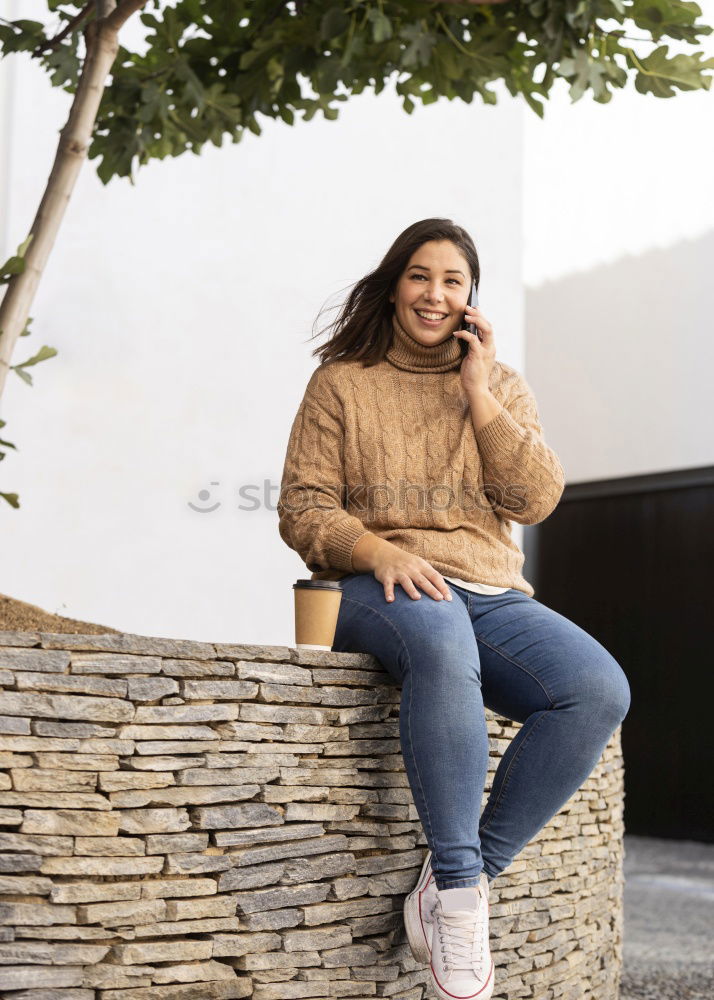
x=317, y=605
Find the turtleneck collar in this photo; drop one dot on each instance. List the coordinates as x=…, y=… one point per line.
x=408, y=354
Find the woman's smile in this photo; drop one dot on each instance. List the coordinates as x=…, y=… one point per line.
x=431, y=318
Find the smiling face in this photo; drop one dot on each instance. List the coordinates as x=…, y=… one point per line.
x=433, y=292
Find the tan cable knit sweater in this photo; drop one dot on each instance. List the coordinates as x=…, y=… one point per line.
x=391, y=449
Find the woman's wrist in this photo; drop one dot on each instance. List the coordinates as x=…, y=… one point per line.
x=365, y=551
x=484, y=407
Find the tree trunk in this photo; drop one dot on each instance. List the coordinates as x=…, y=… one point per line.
x=102, y=41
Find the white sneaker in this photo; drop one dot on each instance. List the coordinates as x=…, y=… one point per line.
x=461, y=963
x=418, y=908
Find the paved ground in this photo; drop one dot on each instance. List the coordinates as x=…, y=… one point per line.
x=669, y=920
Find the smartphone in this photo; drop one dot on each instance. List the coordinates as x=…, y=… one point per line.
x=471, y=327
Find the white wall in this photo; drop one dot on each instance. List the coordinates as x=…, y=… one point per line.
x=619, y=256
x=181, y=309
x=621, y=359
x=9, y=11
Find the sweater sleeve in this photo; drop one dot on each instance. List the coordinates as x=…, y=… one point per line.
x=523, y=477
x=312, y=520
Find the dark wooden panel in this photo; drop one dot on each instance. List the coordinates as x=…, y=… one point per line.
x=632, y=562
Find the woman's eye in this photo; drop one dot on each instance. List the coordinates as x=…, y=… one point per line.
x=455, y=280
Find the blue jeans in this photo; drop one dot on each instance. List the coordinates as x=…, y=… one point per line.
x=518, y=658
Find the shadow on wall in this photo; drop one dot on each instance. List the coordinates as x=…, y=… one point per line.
x=620, y=359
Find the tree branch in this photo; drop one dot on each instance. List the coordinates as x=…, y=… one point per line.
x=124, y=10
x=52, y=43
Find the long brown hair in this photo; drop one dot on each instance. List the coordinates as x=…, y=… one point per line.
x=363, y=328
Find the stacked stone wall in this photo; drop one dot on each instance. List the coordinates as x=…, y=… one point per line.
x=197, y=821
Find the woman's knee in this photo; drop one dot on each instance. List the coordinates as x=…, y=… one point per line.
x=604, y=690
x=450, y=659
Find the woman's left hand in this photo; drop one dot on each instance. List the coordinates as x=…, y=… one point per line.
x=477, y=364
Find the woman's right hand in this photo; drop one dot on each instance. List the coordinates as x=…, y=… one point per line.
x=392, y=565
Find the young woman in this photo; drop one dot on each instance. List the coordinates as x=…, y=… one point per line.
x=411, y=452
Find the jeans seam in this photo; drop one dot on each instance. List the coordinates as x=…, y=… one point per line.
x=391, y=624
x=507, y=775
x=521, y=666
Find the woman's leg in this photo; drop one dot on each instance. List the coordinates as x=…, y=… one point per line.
x=542, y=670
x=428, y=647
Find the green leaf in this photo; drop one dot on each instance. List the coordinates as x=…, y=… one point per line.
x=43, y=354
x=533, y=103
x=12, y=498
x=334, y=22
x=421, y=43
x=21, y=36
x=658, y=75
x=381, y=25
x=665, y=17
x=22, y=249
x=14, y=265
x=64, y=64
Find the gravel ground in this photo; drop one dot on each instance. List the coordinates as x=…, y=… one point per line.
x=662, y=985
x=19, y=616
x=669, y=920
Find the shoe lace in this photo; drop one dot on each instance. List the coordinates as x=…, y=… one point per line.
x=461, y=935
